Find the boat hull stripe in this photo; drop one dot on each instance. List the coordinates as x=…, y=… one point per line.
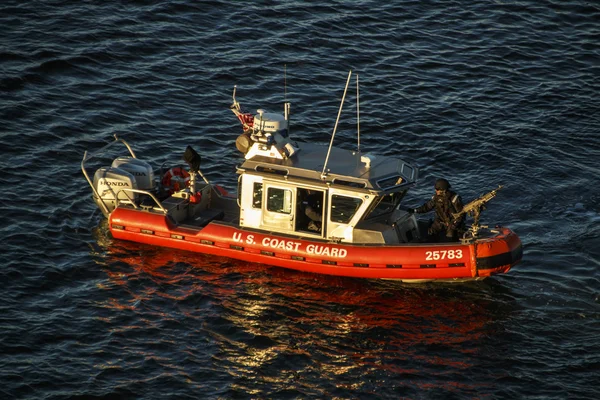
x=499, y=260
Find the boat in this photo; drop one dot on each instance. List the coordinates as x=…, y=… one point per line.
x=362, y=229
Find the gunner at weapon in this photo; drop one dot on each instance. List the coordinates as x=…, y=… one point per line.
x=445, y=202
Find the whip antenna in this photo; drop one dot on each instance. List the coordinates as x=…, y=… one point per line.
x=358, y=112
x=284, y=83
x=323, y=174
x=286, y=105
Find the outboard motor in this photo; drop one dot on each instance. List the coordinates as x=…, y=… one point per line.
x=109, y=183
x=141, y=170
x=124, y=173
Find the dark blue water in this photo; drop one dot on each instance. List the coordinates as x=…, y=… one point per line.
x=480, y=92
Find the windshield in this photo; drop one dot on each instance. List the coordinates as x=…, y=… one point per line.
x=385, y=204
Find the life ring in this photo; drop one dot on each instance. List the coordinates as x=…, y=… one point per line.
x=174, y=178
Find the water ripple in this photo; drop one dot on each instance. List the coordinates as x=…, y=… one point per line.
x=482, y=93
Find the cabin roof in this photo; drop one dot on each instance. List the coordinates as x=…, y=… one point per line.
x=344, y=167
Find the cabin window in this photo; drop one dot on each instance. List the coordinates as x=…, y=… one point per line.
x=385, y=204
x=343, y=208
x=279, y=200
x=407, y=170
x=257, y=195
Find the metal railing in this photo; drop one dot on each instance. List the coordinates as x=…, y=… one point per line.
x=132, y=201
x=88, y=156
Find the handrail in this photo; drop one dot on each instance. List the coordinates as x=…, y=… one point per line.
x=88, y=156
x=141, y=192
x=203, y=177
x=239, y=191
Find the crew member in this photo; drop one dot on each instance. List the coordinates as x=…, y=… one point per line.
x=312, y=210
x=445, y=202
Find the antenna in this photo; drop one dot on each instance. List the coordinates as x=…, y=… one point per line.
x=358, y=112
x=323, y=174
x=284, y=83
x=260, y=112
x=286, y=105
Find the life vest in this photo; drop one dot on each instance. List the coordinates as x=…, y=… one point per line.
x=175, y=179
x=445, y=205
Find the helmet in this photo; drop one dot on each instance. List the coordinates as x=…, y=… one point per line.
x=442, y=184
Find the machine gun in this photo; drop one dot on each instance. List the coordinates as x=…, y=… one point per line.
x=475, y=208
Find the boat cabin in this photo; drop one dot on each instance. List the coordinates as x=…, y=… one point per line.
x=316, y=191
x=353, y=202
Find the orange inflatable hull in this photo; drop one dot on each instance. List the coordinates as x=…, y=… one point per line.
x=407, y=262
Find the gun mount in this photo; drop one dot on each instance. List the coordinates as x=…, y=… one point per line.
x=474, y=209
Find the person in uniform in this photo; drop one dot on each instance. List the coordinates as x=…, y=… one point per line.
x=312, y=209
x=445, y=202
